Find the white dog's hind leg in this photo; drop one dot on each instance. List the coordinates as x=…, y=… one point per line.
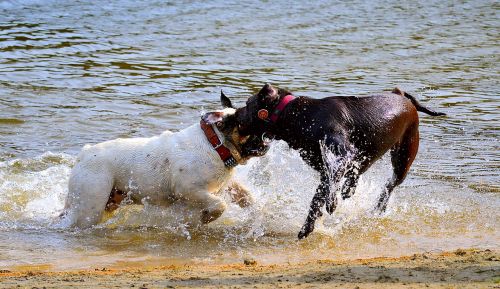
x=211, y=205
x=87, y=198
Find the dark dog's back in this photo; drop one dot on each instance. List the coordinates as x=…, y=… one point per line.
x=373, y=124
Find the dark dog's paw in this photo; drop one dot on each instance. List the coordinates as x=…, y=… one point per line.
x=306, y=230
x=380, y=209
x=382, y=204
x=331, y=204
x=347, y=193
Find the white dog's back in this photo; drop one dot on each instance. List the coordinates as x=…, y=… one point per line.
x=161, y=168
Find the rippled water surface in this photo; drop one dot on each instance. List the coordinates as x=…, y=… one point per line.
x=78, y=72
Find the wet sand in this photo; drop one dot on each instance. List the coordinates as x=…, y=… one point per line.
x=458, y=269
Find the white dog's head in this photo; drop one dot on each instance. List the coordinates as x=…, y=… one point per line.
x=246, y=146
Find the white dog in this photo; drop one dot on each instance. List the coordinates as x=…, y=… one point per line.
x=192, y=165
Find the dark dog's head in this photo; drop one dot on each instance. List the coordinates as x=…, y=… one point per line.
x=253, y=118
x=247, y=146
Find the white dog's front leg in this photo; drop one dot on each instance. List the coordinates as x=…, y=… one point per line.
x=211, y=206
x=240, y=195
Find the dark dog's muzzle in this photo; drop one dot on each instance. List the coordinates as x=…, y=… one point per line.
x=255, y=147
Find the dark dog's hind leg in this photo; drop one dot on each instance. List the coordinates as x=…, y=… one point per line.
x=402, y=156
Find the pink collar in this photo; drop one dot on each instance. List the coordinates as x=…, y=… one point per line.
x=281, y=106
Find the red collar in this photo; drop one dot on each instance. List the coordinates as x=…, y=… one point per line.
x=280, y=107
x=218, y=145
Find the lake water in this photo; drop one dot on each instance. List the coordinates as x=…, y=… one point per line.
x=78, y=72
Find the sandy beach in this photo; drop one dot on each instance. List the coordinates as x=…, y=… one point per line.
x=457, y=269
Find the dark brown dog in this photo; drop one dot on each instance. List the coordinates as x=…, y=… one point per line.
x=358, y=130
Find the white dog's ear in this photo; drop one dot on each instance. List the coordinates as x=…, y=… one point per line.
x=213, y=117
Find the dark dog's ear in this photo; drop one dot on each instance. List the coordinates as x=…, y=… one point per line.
x=268, y=93
x=225, y=101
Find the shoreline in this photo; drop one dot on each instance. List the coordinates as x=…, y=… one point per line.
x=468, y=268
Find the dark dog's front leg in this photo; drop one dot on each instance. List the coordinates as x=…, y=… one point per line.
x=331, y=201
x=322, y=192
x=344, y=166
x=350, y=184
x=338, y=166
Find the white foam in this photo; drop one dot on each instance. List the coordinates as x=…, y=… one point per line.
x=33, y=192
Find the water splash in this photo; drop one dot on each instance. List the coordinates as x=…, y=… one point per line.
x=421, y=216
x=33, y=190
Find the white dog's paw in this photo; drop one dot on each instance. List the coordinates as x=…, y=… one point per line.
x=245, y=201
x=240, y=195
x=213, y=212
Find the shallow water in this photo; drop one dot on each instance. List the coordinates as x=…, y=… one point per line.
x=76, y=73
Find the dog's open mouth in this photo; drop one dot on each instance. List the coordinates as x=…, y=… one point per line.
x=255, y=147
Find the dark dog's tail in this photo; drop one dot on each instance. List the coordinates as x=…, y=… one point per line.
x=417, y=104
